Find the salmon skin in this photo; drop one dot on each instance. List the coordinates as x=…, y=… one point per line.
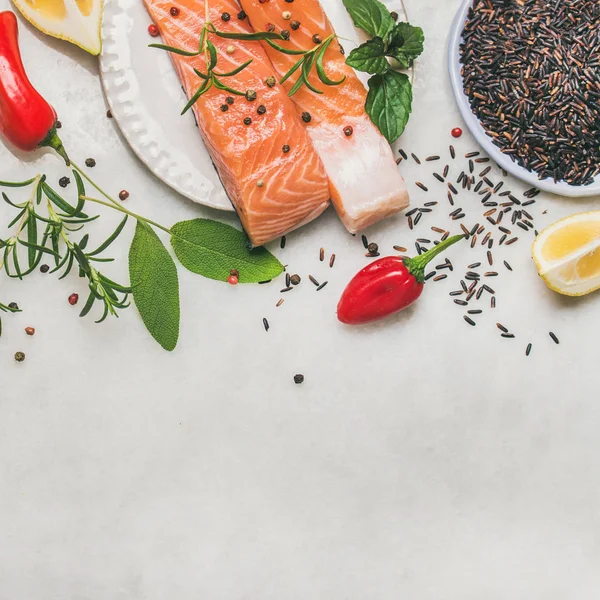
x=366, y=185
x=274, y=189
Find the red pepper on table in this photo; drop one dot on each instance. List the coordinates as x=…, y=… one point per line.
x=26, y=119
x=386, y=286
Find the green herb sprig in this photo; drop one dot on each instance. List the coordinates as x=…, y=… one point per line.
x=213, y=78
x=389, y=101
x=310, y=58
x=47, y=224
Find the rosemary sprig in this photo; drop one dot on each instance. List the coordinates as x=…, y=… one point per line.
x=57, y=226
x=213, y=78
x=310, y=58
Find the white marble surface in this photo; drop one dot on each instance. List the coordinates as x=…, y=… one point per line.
x=421, y=458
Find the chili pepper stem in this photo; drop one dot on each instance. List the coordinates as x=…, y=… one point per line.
x=416, y=266
x=53, y=141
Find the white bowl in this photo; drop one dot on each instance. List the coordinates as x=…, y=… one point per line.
x=485, y=141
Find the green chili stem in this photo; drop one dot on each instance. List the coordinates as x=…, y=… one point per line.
x=416, y=266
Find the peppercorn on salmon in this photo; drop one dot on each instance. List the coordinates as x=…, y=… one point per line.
x=259, y=145
x=366, y=185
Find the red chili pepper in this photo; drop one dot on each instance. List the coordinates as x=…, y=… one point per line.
x=386, y=286
x=26, y=119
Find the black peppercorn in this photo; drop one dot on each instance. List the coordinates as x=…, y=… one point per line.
x=295, y=279
x=123, y=195
x=261, y=110
x=241, y=15
x=247, y=121
x=394, y=15
x=13, y=306
x=316, y=39
x=224, y=107
x=58, y=125
x=295, y=25
x=306, y=117
x=229, y=100
x=225, y=17
x=373, y=248
x=250, y=95
x=109, y=114
x=90, y=162
x=19, y=356
x=298, y=378
x=271, y=81
x=174, y=11
x=44, y=268
x=289, y=1
x=286, y=149
x=285, y=34
x=64, y=182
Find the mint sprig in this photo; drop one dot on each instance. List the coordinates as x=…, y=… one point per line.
x=389, y=102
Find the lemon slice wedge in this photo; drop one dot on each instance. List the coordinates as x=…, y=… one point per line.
x=76, y=21
x=567, y=254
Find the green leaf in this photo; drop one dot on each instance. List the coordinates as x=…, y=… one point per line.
x=17, y=184
x=32, y=239
x=60, y=202
x=155, y=286
x=259, y=35
x=212, y=249
x=235, y=71
x=212, y=53
x=405, y=43
x=289, y=51
x=389, y=103
x=174, y=50
x=371, y=16
x=321, y=69
x=369, y=57
x=206, y=85
x=102, y=247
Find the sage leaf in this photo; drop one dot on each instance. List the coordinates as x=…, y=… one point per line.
x=405, y=43
x=369, y=57
x=371, y=16
x=212, y=249
x=389, y=103
x=155, y=286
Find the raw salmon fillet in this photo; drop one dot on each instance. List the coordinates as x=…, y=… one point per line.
x=273, y=191
x=365, y=183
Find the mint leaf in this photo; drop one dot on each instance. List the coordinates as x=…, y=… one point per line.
x=371, y=16
x=212, y=249
x=369, y=57
x=155, y=286
x=405, y=43
x=389, y=103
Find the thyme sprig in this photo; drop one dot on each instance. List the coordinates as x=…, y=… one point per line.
x=310, y=58
x=213, y=78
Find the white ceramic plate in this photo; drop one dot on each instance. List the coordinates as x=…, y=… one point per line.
x=475, y=127
x=145, y=98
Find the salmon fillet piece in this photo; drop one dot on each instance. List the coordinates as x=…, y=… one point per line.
x=273, y=190
x=365, y=183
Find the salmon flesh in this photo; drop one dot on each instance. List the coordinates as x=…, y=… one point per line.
x=259, y=145
x=366, y=185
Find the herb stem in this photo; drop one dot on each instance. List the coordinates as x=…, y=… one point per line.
x=93, y=183
x=128, y=212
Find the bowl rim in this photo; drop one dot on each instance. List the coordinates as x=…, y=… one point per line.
x=476, y=128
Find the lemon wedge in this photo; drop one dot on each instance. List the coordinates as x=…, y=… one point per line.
x=76, y=21
x=567, y=254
